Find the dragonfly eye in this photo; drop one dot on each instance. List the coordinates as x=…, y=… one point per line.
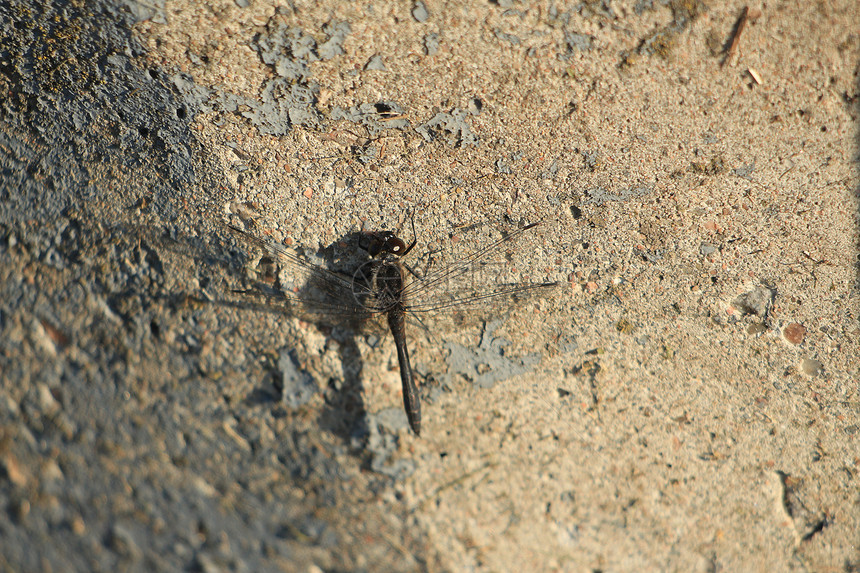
x=394, y=245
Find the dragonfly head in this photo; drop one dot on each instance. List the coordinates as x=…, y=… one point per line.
x=384, y=242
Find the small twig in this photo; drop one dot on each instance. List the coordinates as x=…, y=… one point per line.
x=817, y=261
x=755, y=76
x=457, y=481
x=746, y=15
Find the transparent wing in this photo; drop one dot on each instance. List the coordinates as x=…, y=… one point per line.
x=318, y=290
x=471, y=281
x=495, y=297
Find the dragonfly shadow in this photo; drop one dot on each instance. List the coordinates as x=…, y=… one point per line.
x=327, y=290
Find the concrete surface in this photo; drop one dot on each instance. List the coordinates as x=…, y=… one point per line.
x=686, y=400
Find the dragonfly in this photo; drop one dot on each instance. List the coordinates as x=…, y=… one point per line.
x=382, y=285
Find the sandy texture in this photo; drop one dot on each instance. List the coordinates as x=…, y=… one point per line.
x=685, y=399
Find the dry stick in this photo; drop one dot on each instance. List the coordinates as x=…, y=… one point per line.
x=733, y=47
x=746, y=14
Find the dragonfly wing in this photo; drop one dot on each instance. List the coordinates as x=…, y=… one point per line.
x=470, y=281
x=318, y=290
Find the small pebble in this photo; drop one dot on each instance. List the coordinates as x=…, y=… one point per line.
x=419, y=11
x=811, y=366
x=794, y=333
x=13, y=469
x=375, y=63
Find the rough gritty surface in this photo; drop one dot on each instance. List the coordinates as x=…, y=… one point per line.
x=687, y=399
